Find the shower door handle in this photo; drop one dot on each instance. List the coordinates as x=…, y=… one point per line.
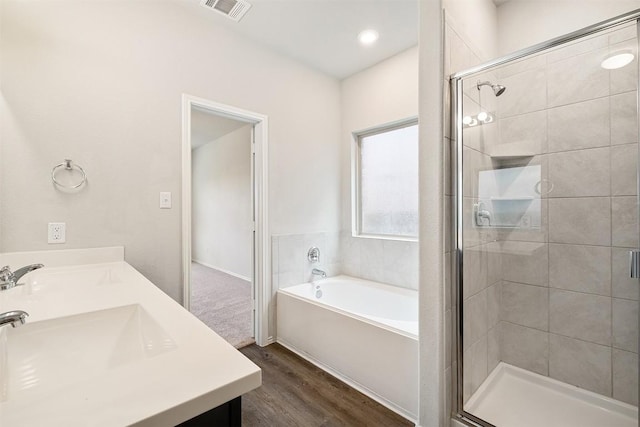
x=634, y=264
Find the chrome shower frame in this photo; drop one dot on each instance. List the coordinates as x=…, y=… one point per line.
x=456, y=91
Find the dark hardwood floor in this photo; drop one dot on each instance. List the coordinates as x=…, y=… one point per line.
x=296, y=393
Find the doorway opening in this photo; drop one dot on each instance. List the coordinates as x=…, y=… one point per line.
x=224, y=219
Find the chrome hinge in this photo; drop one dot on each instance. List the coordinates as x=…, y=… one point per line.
x=634, y=264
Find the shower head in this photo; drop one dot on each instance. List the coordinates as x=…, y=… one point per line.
x=497, y=89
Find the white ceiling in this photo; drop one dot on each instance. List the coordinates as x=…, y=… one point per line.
x=323, y=33
x=207, y=127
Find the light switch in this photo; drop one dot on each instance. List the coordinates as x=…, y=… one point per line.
x=165, y=200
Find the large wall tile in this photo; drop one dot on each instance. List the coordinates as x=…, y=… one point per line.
x=624, y=33
x=624, y=170
x=580, y=268
x=290, y=278
x=622, y=285
x=521, y=65
x=525, y=348
x=331, y=252
x=624, y=222
x=625, y=376
x=578, y=78
x=474, y=268
x=475, y=319
x=582, y=221
x=624, y=118
x=350, y=254
x=625, y=324
x=525, y=305
x=583, y=316
x=525, y=262
x=494, y=304
x=462, y=57
x=532, y=234
x=530, y=127
x=494, y=262
x=474, y=162
x=475, y=367
x=577, y=48
x=582, y=125
x=580, y=363
x=526, y=92
x=400, y=263
x=372, y=260
x=292, y=254
x=480, y=138
x=494, y=344
x=626, y=78
x=275, y=262
x=580, y=173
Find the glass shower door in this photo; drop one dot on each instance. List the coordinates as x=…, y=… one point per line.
x=547, y=216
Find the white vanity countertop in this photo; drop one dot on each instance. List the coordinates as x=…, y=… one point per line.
x=143, y=359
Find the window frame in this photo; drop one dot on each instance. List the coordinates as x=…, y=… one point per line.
x=356, y=192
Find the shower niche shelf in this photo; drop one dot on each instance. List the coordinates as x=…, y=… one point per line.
x=507, y=198
x=512, y=150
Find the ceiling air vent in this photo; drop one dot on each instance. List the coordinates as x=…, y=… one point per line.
x=234, y=9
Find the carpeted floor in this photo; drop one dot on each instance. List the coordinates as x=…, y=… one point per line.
x=222, y=302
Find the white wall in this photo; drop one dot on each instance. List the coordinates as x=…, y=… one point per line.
x=477, y=23
x=384, y=93
x=101, y=83
x=222, y=225
x=546, y=19
x=433, y=348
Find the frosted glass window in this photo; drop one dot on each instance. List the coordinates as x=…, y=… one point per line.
x=388, y=182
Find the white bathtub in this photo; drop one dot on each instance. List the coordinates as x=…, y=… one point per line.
x=363, y=332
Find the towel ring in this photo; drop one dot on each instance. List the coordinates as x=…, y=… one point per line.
x=68, y=165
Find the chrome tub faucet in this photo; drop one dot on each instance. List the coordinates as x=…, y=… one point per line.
x=14, y=318
x=9, y=279
x=318, y=272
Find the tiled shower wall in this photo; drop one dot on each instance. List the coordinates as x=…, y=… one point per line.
x=568, y=311
x=555, y=300
x=482, y=257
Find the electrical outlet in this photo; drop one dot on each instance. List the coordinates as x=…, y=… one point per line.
x=57, y=232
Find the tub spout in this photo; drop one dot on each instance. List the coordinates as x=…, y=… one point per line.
x=318, y=272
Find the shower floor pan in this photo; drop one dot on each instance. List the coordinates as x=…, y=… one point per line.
x=514, y=397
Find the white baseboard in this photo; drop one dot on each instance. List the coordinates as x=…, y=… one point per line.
x=230, y=273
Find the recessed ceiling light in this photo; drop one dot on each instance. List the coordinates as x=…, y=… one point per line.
x=368, y=37
x=617, y=60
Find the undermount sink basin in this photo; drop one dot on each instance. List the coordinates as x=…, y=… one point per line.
x=44, y=357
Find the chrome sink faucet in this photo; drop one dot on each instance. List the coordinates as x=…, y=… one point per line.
x=14, y=318
x=9, y=279
x=318, y=272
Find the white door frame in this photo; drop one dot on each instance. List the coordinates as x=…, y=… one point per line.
x=262, y=266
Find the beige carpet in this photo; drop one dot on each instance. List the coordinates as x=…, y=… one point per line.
x=222, y=302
